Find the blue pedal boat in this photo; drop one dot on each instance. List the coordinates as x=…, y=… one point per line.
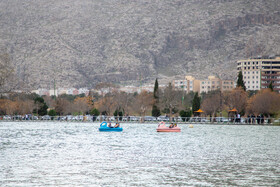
x=104, y=127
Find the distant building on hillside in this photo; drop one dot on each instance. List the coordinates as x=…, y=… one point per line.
x=53, y=92
x=84, y=91
x=210, y=84
x=189, y=84
x=214, y=83
x=259, y=72
x=133, y=89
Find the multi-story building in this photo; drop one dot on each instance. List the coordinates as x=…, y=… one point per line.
x=260, y=72
x=210, y=84
x=227, y=85
x=189, y=84
x=214, y=83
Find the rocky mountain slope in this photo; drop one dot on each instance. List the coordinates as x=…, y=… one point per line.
x=81, y=43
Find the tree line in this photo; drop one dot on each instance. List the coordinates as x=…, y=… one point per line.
x=167, y=101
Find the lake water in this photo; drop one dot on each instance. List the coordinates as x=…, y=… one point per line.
x=77, y=154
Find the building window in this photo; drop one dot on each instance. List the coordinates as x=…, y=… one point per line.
x=253, y=67
x=248, y=63
x=248, y=82
x=248, y=67
x=244, y=63
x=248, y=77
x=253, y=63
x=256, y=81
x=202, y=87
x=253, y=82
x=244, y=72
x=244, y=77
x=253, y=76
x=257, y=76
x=253, y=86
x=248, y=86
x=257, y=86
x=244, y=67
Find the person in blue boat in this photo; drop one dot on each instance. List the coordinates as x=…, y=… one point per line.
x=117, y=125
x=110, y=125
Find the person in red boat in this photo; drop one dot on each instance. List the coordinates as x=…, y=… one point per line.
x=171, y=126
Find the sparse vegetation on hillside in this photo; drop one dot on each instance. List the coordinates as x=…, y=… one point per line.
x=82, y=43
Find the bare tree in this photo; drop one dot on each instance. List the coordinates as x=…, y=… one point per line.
x=9, y=107
x=264, y=102
x=63, y=106
x=106, y=104
x=236, y=98
x=143, y=102
x=124, y=101
x=170, y=99
x=49, y=101
x=26, y=107
x=212, y=104
x=81, y=105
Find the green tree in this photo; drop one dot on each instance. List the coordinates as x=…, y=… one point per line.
x=156, y=94
x=118, y=113
x=196, y=102
x=41, y=106
x=95, y=112
x=52, y=113
x=240, y=82
x=185, y=114
x=155, y=109
x=270, y=86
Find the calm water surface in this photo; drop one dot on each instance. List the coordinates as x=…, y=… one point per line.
x=77, y=154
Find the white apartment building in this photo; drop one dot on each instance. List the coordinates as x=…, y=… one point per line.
x=260, y=72
x=189, y=84
x=251, y=72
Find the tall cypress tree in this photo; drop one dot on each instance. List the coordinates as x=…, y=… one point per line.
x=196, y=102
x=240, y=82
x=156, y=90
x=155, y=109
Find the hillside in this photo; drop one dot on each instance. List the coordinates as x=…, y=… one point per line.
x=80, y=43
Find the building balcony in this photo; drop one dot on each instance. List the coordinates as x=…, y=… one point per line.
x=269, y=79
x=273, y=84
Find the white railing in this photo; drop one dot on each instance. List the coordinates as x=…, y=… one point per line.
x=146, y=119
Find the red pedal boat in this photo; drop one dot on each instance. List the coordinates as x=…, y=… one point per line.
x=171, y=128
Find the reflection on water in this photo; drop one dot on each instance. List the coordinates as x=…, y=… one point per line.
x=77, y=154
